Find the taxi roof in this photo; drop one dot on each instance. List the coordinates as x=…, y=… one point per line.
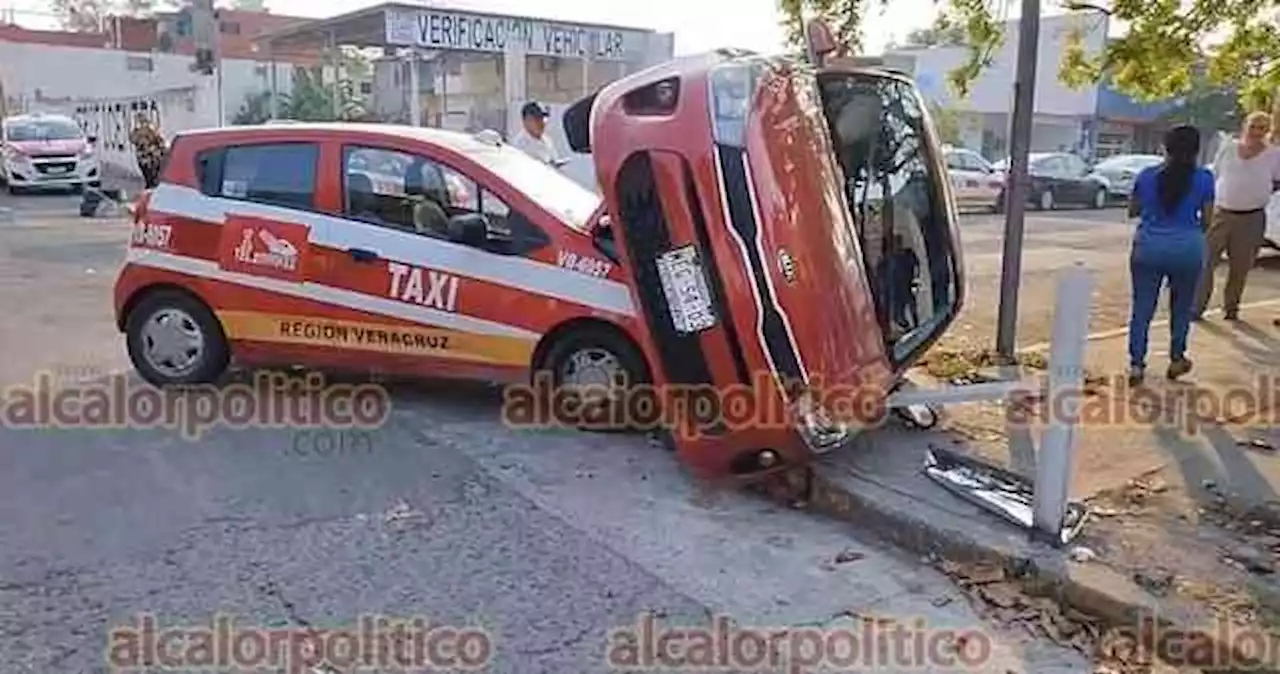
x=457, y=141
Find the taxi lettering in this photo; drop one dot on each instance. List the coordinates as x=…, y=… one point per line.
x=427, y=287
x=583, y=265
x=151, y=236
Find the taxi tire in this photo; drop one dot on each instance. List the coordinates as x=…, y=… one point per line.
x=620, y=347
x=217, y=353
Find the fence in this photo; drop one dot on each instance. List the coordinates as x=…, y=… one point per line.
x=111, y=119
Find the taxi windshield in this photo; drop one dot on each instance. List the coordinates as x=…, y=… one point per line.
x=547, y=187
x=41, y=129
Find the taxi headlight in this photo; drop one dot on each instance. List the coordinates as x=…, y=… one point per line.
x=820, y=432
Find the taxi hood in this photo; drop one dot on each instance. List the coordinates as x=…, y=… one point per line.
x=38, y=148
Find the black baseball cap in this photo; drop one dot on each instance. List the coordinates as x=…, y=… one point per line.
x=534, y=109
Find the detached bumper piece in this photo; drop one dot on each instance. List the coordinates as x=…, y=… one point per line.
x=1007, y=494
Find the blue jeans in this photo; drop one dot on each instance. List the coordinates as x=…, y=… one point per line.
x=1151, y=265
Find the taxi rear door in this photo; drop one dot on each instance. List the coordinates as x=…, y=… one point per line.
x=443, y=299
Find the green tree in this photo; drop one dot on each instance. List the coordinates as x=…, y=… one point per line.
x=89, y=15
x=935, y=36
x=81, y=15
x=947, y=123
x=1237, y=42
x=1208, y=108
x=1234, y=43
x=972, y=18
x=310, y=99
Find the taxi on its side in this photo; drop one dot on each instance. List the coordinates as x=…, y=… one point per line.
x=371, y=248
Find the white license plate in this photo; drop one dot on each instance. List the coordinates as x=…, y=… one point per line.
x=57, y=170
x=684, y=283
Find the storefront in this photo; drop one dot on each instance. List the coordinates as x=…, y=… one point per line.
x=470, y=70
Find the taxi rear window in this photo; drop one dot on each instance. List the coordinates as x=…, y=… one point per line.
x=278, y=174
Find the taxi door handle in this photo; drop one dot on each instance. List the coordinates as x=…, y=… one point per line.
x=362, y=254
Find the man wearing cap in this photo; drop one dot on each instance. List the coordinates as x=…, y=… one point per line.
x=533, y=139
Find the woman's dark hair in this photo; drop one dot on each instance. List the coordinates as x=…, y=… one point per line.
x=1182, y=149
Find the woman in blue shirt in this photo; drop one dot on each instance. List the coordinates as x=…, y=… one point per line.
x=1172, y=201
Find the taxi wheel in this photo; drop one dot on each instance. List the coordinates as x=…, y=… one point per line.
x=606, y=370
x=173, y=339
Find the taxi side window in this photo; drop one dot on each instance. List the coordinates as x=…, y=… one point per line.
x=414, y=194
x=277, y=174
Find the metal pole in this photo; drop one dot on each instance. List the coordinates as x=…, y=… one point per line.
x=1066, y=383
x=274, y=112
x=415, y=98
x=217, y=73
x=1016, y=194
x=335, y=104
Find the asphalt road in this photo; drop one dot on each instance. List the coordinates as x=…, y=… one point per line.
x=1056, y=240
x=544, y=540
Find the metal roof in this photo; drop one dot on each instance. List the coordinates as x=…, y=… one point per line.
x=367, y=27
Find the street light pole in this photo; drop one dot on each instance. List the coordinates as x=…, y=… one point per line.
x=1016, y=194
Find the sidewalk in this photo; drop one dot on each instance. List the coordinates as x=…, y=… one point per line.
x=1185, y=526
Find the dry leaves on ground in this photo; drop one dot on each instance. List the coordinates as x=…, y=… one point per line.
x=995, y=596
x=1133, y=497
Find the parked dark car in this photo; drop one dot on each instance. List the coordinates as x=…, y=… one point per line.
x=1062, y=178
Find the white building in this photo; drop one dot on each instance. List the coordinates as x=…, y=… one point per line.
x=469, y=70
x=1063, y=116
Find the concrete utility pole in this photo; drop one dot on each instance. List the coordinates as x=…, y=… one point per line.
x=1016, y=194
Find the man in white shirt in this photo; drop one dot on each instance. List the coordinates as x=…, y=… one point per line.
x=1247, y=171
x=533, y=139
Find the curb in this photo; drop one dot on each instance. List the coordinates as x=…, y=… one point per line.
x=1091, y=588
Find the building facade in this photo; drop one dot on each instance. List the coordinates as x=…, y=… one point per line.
x=1094, y=121
x=475, y=69
x=1128, y=126
x=1062, y=115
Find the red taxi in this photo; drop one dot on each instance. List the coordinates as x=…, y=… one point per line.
x=374, y=248
x=780, y=219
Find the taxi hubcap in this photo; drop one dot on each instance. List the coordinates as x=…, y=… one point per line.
x=594, y=368
x=172, y=342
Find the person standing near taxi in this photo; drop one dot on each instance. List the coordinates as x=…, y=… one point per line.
x=533, y=139
x=1246, y=172
x=148, y=149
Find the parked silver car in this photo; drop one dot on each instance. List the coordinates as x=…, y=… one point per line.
x=1120, y=171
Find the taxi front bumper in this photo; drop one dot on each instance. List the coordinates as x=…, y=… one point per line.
x=39, y=172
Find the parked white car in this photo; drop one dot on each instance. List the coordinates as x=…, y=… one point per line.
x=974, y=181
x=1121, y=170
x=46, y=151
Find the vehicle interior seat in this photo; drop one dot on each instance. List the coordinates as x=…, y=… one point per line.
x=426, y=203
x=362, y=202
